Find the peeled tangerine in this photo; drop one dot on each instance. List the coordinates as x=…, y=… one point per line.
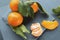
x=50, y=24
x=36, y=29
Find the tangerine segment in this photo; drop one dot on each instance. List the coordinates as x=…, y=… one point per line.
x=37, y=33
x=15, y=19
x=50, y=24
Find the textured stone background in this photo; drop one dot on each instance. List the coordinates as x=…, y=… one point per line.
x=47, y=35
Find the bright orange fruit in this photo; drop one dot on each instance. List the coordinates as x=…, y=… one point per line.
x=15, y=19
x=14, y=5
x=35, y=7
x=50, y=24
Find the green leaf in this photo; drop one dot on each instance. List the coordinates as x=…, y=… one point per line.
x=30, y=10
x=42, y=9
x=56, y=10
x=28, y=2
x=22, y=9
x=19, y=32
x=25, y=9
x=24, y=29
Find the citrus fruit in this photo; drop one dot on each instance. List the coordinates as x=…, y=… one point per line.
x=35, y=7
x=36, y=29
x=14, y=5
x=15, y=19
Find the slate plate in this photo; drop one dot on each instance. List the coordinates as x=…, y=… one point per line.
x=7, y=32
x=37, y=19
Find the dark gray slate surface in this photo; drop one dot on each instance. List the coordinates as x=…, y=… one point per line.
x=47, y=35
